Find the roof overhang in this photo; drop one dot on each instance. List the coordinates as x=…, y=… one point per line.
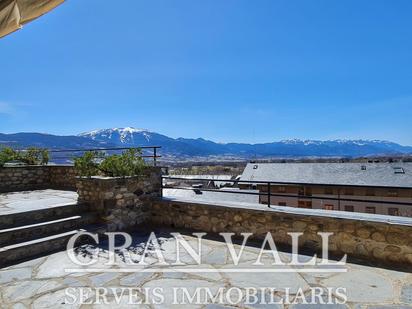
x=15, y=13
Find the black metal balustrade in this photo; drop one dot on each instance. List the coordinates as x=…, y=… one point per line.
x=267, y=186
x=68, y=155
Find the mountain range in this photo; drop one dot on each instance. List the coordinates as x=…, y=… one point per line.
x=187, y=148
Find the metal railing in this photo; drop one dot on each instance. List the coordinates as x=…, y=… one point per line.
x=61, y=155
x=267, y=185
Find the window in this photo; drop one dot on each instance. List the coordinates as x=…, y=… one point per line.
x=349, y=191
x=329, y=190
x=281, y=189
x=301, y=191
x=308, y=191
x=282, y=203
x=349, y=208
x=370, y=210
x=393, y=211
x=370, y=192
x=392, y=193
x=304, y=204
x=328, y=207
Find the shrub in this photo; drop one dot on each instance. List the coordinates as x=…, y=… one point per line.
x=129, y=163
x=6, y=155
x=34, y=156
x=86, y=165
x=31, y=156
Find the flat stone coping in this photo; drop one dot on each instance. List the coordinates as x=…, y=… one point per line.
x=16, y=202
x=51, y=164
x=300, y=211
x=108, y=178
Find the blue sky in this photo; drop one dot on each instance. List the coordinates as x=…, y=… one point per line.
x=226, y=70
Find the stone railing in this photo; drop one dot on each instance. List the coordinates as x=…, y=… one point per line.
x=22, y=178
x=368, y=237
x=121, y=203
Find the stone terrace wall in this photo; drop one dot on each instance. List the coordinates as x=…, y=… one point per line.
x=371, y=241
x=22, y=178
x=121, y=203
x=62, y=177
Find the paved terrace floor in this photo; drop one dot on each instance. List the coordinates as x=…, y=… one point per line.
x=41, y=283
x=15, y=202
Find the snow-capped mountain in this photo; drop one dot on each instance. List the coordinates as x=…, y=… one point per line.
x=288, y=148
x=131, y=137
x=186, y=147
x=124, y=135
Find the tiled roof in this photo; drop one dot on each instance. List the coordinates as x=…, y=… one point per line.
x=358, y=174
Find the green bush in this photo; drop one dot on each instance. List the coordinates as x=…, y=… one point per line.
x=86, y=165
x=129, y=163
x=7, y=155
x=31, y=156
x=34, y=156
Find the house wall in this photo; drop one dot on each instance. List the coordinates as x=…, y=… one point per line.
x=390, y=195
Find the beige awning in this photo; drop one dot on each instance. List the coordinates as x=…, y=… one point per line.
x=15, y=13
